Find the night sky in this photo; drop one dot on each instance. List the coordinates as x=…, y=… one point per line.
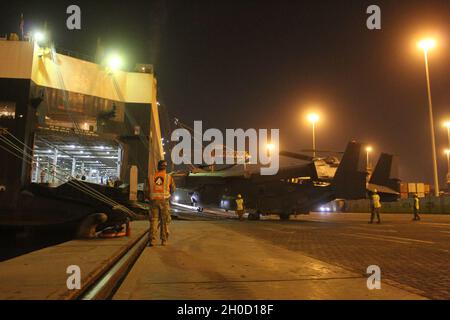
x=264, y=64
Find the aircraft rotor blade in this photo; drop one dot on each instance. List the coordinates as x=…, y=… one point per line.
x=322, y=151
x=297, y=156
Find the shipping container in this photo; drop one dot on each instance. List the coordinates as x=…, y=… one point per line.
x=420, y=188
x=412, y=187
x=403, y=187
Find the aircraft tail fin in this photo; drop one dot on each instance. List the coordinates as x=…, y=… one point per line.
x=350, y=179
x=386, y=172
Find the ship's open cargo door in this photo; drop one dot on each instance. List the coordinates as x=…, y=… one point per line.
x=59, y=156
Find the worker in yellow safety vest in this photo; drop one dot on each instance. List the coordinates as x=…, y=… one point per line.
x=416, y=207
x=161, y=186
x=375, y=206
x=240, y=208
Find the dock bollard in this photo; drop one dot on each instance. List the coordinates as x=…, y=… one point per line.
x=128, y=228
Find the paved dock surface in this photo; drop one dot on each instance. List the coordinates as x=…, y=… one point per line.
x=310, y=257
x=211, y=255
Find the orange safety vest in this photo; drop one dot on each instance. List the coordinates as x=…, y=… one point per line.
x=160, y=186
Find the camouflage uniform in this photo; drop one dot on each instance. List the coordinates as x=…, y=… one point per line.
x=159, y=219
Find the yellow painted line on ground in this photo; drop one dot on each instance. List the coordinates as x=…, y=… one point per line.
x=399, y=238
x=373, y=238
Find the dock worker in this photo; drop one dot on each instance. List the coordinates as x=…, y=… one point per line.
x=240, y=207
x=43, y=176
x=375, y=205
x=110, y=182
x=161, y=187
x=416, y=207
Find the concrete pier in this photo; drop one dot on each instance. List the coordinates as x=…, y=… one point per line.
x=42, y=274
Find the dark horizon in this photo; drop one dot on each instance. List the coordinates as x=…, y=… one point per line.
x=258, y=64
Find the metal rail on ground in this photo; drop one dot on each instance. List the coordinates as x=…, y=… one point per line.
x=106, y=284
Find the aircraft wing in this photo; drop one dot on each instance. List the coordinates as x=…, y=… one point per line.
x=381, y=189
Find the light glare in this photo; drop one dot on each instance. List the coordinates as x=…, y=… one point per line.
x=115, y=62
x=313, y=117
x=39, y=36
x=426, y=44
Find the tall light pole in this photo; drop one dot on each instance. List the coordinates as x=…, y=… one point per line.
x=313, y=118
x=426, y=45
x=447, y=152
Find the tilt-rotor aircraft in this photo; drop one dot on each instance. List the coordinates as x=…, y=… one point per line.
x=293, y=190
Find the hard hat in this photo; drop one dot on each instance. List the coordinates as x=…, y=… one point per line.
x=239, y=196
x=162, y=164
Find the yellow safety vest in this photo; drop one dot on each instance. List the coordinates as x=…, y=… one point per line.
x=416, y=203
x=160, y=186
x=376, y=201
x=239, y=204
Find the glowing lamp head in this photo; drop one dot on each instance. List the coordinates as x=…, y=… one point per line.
x=369, y=149
x=39, y=36
x=447, y=151
x=115, y=62
x=270, y=147
x=426, y=44
x=313, y=117
x=447, y=124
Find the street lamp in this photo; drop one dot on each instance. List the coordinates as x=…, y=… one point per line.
x=368, y=151
x=39, y=36
x=313, y=118
x=270, y=147
x=114, y=62
x=425, y=45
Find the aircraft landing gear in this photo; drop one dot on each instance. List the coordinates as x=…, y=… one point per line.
x=254, y=216
x=140, y=196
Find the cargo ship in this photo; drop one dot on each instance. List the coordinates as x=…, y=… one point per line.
x=76, y=137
